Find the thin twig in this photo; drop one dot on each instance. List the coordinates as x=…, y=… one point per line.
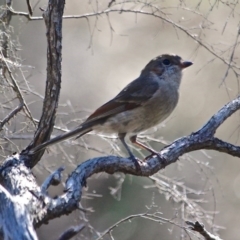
x=11, y=115
x=29, y=7
x=18, y=92
x=153, y=14
x=231, y=57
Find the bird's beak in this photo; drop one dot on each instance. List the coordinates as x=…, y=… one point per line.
x=185, y=64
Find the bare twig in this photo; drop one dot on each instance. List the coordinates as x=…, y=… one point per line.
x=5, y=62
x=24, y=14
x=157, y=13
x=153, y=14
x=231, y=57
x=18, y=92
x=10, y=115
x=149, y=216
x=110, y=3
x=29, y=7
x=53, y=179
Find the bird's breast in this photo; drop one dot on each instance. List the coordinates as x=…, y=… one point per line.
x=149, y=114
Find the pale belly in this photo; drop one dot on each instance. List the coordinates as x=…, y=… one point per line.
x=137, y=120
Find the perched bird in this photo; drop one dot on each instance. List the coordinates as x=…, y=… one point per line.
x=142, y=104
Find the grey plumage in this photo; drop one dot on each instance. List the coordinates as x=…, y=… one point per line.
x=142, y=104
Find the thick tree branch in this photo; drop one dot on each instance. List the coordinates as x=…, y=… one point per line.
x=225, y=147
x=21, y=200
x=53, y=20
x=202, y=139
x=217, y=119
x=14, y=213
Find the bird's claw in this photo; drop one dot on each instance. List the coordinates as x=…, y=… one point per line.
x=136, y=162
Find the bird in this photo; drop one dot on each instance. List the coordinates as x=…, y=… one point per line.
x=143, y=103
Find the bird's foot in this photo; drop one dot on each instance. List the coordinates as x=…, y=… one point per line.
x=136, y=162
x=159, y=156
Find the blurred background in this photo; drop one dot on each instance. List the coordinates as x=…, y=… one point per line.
x=103, y=53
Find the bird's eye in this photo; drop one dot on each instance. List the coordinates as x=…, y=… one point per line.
x=166, y=62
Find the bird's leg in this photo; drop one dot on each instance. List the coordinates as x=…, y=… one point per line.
x=132, y=157
x=133, y=139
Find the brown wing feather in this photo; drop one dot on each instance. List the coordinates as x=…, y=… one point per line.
x=138, y=91
x=132, y=96
x=110, y=108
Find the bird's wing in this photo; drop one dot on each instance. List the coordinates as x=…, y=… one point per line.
x=132, y=96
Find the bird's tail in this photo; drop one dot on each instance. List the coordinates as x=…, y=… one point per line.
x=81, y=130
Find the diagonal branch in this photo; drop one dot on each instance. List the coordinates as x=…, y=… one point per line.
x=11, y=115
x=217, y=119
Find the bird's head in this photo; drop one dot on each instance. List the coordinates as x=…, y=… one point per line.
x=167, y=66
